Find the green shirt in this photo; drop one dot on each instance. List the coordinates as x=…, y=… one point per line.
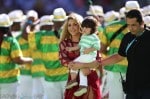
x=26, y=53
x=9, y=70
x=50, y=55
x=109, y=30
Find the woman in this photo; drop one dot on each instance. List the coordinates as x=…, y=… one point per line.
x=70, y=37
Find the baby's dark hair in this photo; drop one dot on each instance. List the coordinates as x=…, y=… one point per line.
x=90, y=22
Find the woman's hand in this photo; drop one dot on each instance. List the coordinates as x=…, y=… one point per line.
x=70, y=65
x=68, y=49
x=78, y=65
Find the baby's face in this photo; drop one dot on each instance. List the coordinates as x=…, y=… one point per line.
x=86, y=30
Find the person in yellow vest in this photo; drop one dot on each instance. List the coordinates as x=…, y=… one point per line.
x=33, y=75
x=58, y=20
x=45, y=26
x=38, y=68
x=10, y=56
x=56, y=74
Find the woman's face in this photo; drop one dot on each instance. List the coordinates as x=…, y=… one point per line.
x=73, y=27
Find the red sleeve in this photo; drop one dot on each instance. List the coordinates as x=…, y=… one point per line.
x=63, y=54
x=66, y=56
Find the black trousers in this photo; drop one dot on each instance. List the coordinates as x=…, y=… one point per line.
x=139, y=94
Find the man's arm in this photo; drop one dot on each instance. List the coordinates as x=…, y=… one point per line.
x=23, y=60
x=112, y=59
x=107, y=61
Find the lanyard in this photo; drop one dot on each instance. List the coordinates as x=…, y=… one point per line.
x=129, y=45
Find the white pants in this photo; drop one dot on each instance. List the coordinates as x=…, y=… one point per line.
x=25, y=87
x=114, y=85
x=9, y=91
x=54, y=90
x=86, y=58
x=38, y=88
x=104, y=84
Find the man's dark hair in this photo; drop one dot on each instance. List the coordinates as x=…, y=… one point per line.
x=135, y=14
x=90, y=22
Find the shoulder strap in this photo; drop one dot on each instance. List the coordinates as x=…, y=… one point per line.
x=118, y=32
x=57, y=34
x=121, y=76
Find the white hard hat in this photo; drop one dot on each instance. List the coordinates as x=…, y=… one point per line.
x=5, y=20
x=122, y=12
x=46, y=20
x=59, y=14
x=146, y=10
x=32, y=13
x=146, y=20
x=111, y=16
x=95, y=10
x=132, y=5
x=16, y=16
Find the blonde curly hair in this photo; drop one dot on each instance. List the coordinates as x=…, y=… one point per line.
x=65, y=33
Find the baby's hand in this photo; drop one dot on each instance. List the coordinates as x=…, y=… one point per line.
x=87, y=51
